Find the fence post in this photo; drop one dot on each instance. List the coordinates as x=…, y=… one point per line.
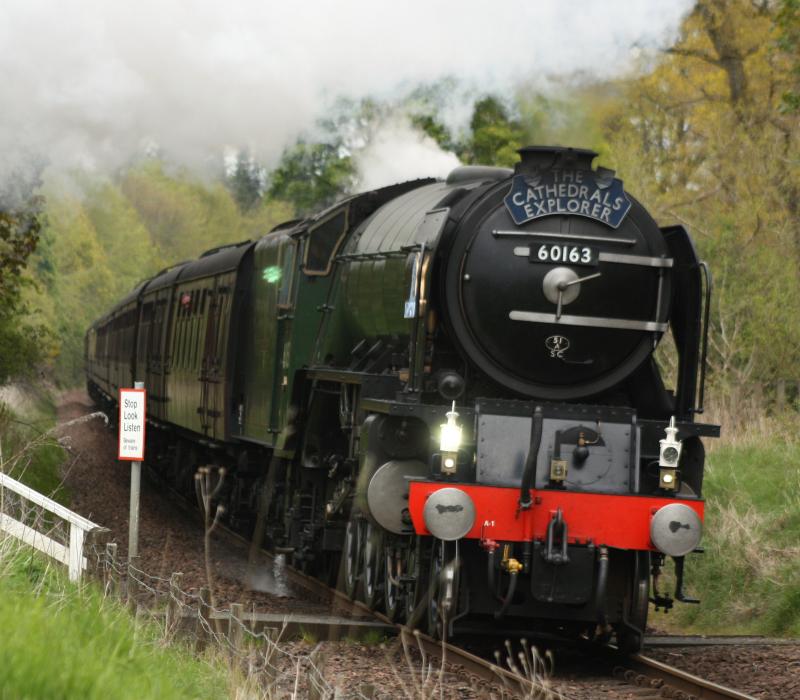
x=75, y=552
x=132, y=587
x=94, y=545
x=112, y=576
x=203, y=616
x=174, y=603
x=235, y=631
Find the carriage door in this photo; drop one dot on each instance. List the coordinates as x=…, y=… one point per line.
x=284, y=314
x=266, y=337
x=215, y=304
x=156, y=366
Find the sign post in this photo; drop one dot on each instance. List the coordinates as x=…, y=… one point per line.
x=132, y=412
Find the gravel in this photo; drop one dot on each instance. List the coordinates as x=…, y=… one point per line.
x=768, y=671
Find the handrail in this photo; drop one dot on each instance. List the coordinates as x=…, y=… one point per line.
x=70, y=554
x=41, y=500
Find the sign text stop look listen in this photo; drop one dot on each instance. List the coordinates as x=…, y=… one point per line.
x=131, y=424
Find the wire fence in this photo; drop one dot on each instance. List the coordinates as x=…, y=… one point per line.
x=261, y=655
x=264, y=656
x=265, y=662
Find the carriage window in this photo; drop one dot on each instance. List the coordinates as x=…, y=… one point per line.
x=322, y=243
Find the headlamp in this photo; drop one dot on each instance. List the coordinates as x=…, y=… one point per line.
x=450, y=437
x=450, y=441
x=668, y=458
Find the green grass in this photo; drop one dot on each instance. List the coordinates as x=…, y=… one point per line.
x=64, y=641
x=30, y=455
x=748, y=580
x=61, y=641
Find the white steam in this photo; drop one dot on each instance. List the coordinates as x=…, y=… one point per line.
x=93, y=83
x=398, y=152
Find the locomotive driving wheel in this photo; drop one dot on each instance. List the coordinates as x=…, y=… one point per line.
x=405, y=576
x=415, y=590
x=373, y=566
x=442, y=593
x=352, y=556
x=630, y=634
x=392, y=590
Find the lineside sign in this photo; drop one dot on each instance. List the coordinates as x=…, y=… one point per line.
x=131, y=424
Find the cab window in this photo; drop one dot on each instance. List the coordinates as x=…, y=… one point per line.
x=324, y=239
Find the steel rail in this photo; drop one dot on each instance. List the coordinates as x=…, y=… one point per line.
x=698, y=640
x=692, y=686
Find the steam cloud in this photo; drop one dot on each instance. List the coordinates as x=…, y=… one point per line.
x=91, y=83
x=398, y=152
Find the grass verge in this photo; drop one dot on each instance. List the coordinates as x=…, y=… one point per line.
x=748, y=579
x=62, y=641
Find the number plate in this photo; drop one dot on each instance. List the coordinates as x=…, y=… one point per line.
x=563, y=254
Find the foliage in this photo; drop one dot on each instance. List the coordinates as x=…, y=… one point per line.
x=19, y=234
x=100, y=240
x=21, y=343
x=311, y=176
x=703, y=139
x=495, y=137
x=246, y=181
x=787, y=23
x=27, y=451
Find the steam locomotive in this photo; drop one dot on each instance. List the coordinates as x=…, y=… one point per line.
x=444, y=393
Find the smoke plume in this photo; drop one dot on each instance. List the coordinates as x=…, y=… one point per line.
x=91, y=84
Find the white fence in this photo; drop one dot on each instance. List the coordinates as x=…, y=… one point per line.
x=34, y=527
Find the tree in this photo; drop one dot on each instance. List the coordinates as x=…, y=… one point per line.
x=21, y=343
x=246, y=181
x=703, y=138
x=495, y=137
x=311, y=176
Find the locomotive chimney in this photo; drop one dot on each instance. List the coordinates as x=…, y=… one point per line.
x=534, y=159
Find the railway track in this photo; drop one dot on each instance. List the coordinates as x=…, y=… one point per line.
x=486, y=672
x=645, y=672
x=642, y=676
x=650, y=678
x=698, y=640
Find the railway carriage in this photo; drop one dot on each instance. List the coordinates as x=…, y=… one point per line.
x=445, y=393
